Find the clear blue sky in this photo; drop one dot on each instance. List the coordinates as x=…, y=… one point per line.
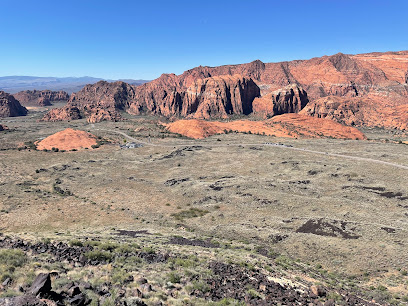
x=143, y=39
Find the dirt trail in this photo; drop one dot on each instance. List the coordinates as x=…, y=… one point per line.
x=268, y=145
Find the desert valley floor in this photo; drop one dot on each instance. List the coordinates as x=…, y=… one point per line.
x=302, y=212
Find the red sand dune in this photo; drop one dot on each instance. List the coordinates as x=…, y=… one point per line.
x=68, y=139
x=287, y=125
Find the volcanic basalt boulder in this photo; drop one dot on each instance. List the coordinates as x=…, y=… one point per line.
x=40, y=97
x=10, y=107
x=3, y=127
x=290, y=99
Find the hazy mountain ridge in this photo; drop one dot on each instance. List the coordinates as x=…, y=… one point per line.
x=13, y=84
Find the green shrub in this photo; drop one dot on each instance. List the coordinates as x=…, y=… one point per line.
x=173, y=277
x=190, y=213
x=119, y=276
x=99, y=255
x=76, y=242
x=12, y=258
x=108, y=246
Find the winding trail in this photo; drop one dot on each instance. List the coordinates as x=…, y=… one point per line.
x=365, y=159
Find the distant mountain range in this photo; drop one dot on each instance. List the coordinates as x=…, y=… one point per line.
x=13, y=84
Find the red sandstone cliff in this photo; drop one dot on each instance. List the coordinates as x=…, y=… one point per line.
x=10, y=107
x=378, y=79
x=40, y=97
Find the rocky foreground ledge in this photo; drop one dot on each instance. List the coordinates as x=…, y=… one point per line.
x=147, y=276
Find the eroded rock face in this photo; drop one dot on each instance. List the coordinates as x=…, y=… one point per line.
x=40, y=97
x=204, y=98
x=65, y=113
x=103, y=94
x=220, y=96
x=290, y=99
x=10, y=107
x=359, y=111
x=100, y=114
x=207, y=92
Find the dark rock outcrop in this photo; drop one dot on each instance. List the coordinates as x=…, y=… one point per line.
x=41, y=284
x=10, y=107
x=40, y=97
x=290, y=99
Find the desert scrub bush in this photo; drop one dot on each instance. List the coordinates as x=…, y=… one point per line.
x=9, y=261
x=198, y=286
x=183, y=262
x=227, y=302
x=253, y=293
x=190, y=213
x=108, y=246
x=120, y=276
x=283, y=261
x=75, y=242
x=9, y=293
x=92, y=243
x=127, y=248
x=149, y=250
x=99, y=255
x=30, y=145
x=173, y=277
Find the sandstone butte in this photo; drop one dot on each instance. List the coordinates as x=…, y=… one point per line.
x=287, y=125
x=10, y=107
x=258, y=88
x=68, y=139
x=40, y=97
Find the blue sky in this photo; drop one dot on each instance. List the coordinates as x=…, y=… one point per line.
x=143, y=39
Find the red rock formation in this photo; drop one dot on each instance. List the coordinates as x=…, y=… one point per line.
x=378, y=76
x=10, y=107
x=65, y=113
x=290, y=99
x=68, y=139
x=359, y=111
x=40, y=97
x=96, y=102
x=99, y=114
x=287, y=125
x=103, y=95
x=220, y=96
